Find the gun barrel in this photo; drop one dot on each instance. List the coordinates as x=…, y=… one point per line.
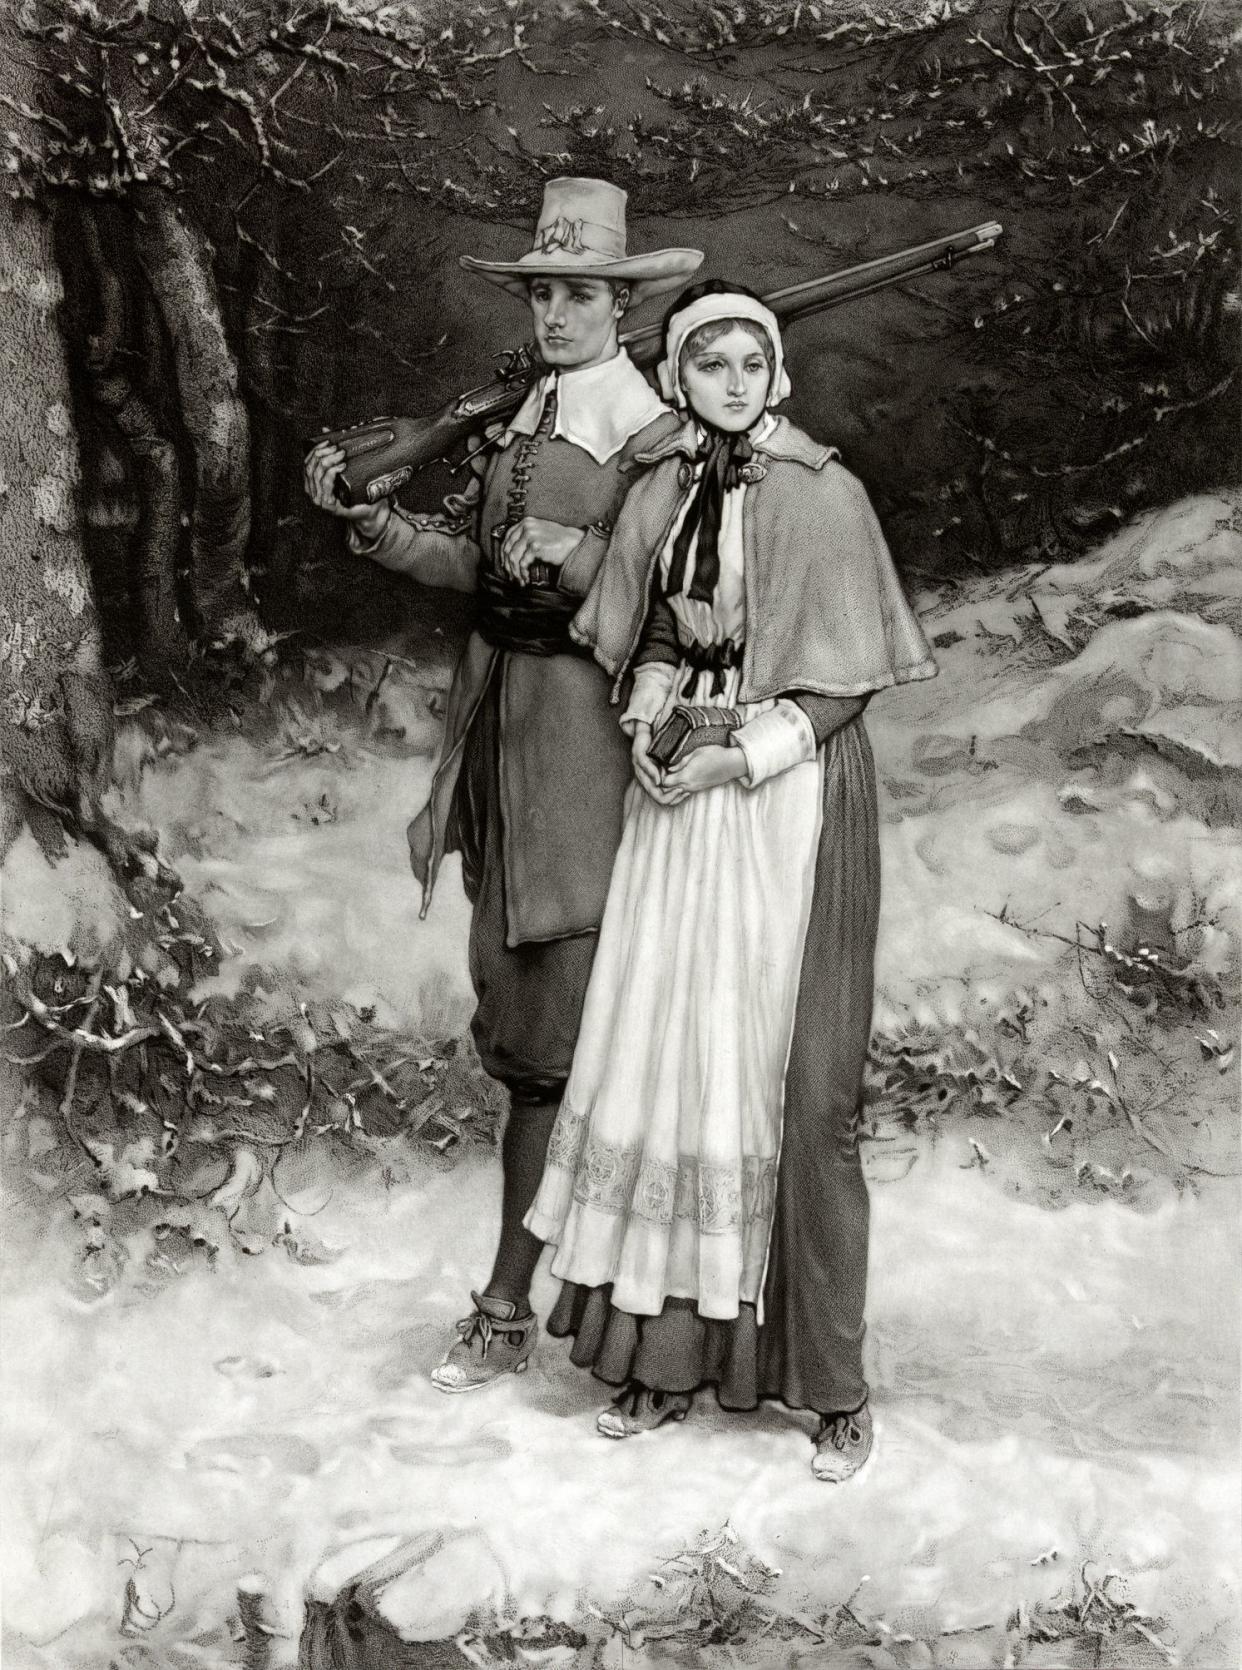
x=815, y=295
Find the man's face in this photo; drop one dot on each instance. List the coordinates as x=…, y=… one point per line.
x=575, y=321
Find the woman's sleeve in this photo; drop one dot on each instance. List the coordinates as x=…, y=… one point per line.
x=655, y=668
x=829, y=713
x=659, y=637
x=578, y=571
x=791, y=732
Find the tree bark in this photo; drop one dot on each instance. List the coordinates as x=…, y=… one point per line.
x=260, y=380
x=161, y=638
x=177, y=260
x=56, y=720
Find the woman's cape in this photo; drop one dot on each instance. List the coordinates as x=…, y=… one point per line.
x=825, y=611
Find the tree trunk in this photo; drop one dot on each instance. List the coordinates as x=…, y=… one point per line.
x=161, y=639
x=177, y=260
x=56, y=712
x=260, y=380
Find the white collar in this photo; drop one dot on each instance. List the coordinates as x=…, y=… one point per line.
x=598, y=408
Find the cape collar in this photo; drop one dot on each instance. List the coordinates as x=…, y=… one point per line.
x=780, y=440
x=598, y=409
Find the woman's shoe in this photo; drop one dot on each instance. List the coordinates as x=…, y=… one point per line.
x=640, y=1409
x=842, y=1444
x=494, y=1341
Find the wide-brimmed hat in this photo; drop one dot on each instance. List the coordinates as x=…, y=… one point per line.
x=581, y=234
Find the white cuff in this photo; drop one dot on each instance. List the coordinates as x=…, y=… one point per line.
x=774, y=741
x=652, y=683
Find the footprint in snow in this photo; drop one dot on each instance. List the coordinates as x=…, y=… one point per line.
x=413, y=1442
x=246, y=1368
x=254, y=1452
x=410, y=1355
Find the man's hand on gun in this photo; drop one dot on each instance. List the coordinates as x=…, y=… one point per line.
x=534, y=539
x=323, y=463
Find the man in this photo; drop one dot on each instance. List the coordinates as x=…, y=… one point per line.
x=534, y=765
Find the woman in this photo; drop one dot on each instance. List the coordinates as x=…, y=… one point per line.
x=703, y=1185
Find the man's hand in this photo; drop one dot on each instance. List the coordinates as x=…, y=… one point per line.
x=705, y=768
x=534, y=539
x=323, y=463
x=650, y=776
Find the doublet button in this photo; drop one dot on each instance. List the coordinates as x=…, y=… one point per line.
x=752, y=472
x=685, y=475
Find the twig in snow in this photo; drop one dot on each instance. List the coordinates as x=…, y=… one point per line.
x=80, y=1036
x=379, y=685
x=378, y=1080
x=255, y=1618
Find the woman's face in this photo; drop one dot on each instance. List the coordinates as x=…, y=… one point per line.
x=575, y=321
x=727, y=382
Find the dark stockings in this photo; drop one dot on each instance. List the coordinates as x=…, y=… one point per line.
x=522, y=1155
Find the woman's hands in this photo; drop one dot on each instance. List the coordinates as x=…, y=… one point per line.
x=534, y=539
x=648, y=773
x=705, y=768
x=320, y=468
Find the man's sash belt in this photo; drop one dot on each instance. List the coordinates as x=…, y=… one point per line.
x=531, y=620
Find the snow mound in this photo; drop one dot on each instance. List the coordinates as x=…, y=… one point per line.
x=1100, y=780
x=1165, y=676
x=1186, y=556
x=74, y=905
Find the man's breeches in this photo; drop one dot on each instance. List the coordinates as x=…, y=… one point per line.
x=530, y=996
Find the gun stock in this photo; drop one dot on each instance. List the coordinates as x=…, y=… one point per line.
x=383, y=454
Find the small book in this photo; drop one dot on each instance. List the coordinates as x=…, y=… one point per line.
x=688, y=728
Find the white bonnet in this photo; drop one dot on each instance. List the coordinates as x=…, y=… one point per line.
x=705, y=311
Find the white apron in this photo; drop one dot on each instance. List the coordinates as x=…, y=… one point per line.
x=661, y=1170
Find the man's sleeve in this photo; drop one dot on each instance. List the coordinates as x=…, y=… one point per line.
x=422, y=547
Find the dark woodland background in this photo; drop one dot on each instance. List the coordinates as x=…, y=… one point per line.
x=253, y=212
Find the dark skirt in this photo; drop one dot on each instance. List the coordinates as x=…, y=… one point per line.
x=529, y=996
x=808, y=1353
x=676, y=1351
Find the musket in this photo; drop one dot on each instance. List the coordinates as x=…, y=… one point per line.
x=382, y=454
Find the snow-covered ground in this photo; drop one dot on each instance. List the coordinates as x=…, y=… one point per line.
x=1043, y=1381
x=1052, y=1387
